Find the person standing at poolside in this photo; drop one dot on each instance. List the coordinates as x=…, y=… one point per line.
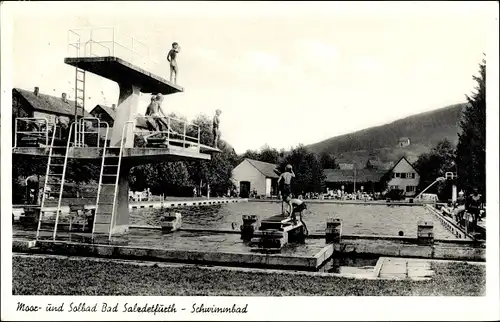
x=215, y=128
x=286, y=190
x=473, y=207
x=172, y=59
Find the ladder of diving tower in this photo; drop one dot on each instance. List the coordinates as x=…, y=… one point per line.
x=79, y=103
x=108, y=188
x=54, y=176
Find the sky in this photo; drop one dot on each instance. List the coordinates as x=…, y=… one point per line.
x=283, y=74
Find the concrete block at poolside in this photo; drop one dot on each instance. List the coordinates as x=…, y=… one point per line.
x=171, y=222
x=22, y=245
x=425, y=231
x=250, y=218
x=333, y=231
x=250, y=225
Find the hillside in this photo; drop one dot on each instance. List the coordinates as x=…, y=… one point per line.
x=381, y=142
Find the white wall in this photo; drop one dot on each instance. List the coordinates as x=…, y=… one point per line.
x=403, y=167
x=247, y=172
x=268, y=187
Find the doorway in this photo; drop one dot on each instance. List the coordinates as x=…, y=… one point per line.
x=244, y=189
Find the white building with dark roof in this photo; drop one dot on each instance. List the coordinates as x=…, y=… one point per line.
x=256, y=175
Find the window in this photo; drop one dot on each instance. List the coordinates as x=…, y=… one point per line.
x=397, y=175
x=410, y=188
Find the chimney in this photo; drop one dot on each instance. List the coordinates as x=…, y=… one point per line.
x=36, y=91
x=64, y=98
x=113, y=107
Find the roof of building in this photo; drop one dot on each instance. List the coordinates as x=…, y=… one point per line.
x=140, y=121
x=377, y=164
x=395, y=164
x=362, y=175
x=111, y=112
x=49, y=103
x=269, y=170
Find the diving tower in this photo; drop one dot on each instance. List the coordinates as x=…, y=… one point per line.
x=129, y=63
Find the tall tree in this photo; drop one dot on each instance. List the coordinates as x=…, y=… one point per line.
x=434, y=164
x=268, y=154
x=471, y=148
x=309, y=175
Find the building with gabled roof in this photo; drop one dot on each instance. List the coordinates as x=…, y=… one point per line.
x=404, y=177
x=27, y=103
x=260, y=176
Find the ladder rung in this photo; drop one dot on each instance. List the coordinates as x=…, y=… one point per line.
x=108, y=184
x=105, y=204
x=79, y=89
x=109, y=175
x=111, y=165
x=57, y=165
x=44, y=229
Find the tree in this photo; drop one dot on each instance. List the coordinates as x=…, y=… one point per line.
x=268, y=154
x=434, y=164
x=327, y=161
x=218, y=171
x=250, y=154
x=307, y=168
x=471, y=147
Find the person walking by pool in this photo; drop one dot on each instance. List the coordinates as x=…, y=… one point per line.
x=216, y=128
x=473, y=207
x=172, y=59
x=286, y=189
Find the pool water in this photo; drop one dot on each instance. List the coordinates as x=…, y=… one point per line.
x=356, y=219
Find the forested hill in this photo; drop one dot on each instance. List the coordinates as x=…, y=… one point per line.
x=381, y=142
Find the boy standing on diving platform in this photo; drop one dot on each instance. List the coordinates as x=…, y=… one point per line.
x=215, y=128
x=286, y=190
x=171, y=57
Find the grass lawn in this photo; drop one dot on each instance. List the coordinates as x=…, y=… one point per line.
x=59, y=276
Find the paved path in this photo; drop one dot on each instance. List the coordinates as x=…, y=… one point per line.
x=407, y=268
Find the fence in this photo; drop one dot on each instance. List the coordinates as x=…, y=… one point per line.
x=108, y=41
x=170, y=131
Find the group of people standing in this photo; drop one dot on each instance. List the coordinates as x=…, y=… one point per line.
x=468, y=209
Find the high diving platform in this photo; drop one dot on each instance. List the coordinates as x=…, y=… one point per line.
x=130, y=63
x=120, y=71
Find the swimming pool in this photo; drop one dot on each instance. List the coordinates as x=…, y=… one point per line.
x=357, y=219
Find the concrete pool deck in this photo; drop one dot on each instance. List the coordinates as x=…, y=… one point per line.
x=286, y=261
x=225, y=248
